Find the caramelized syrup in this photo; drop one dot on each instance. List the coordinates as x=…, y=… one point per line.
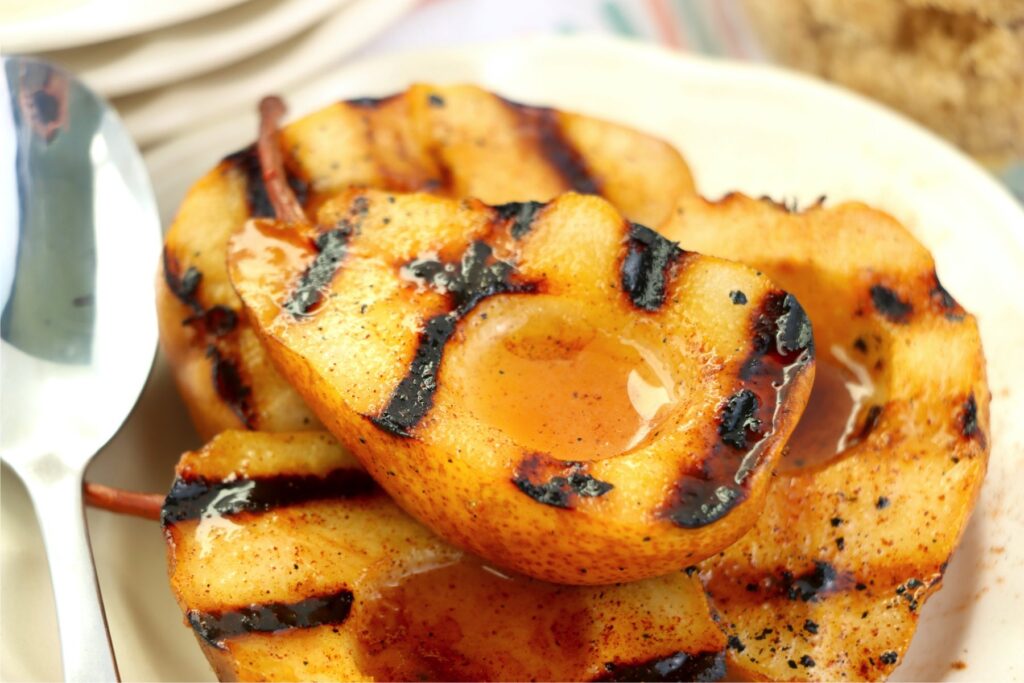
x=830, y=423
x=569, y=390
x=263, y=250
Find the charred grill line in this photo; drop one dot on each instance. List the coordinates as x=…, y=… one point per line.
x=969, y=426
x=331, y=249
x=184, y=286
x=889, y=304
x=945, y=301
x=194, y=497
x=370, y=102
x=522, y=215
x=247, y=162
x=646, y=269
x=552, y=143
x=217, y=627
x=217, y=320
x=679, y=666
x=227, y=382
x=782, y=346
x=566, y=480
x=475, y=278
x=738, y=417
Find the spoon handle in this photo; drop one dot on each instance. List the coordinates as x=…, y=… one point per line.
x=85, y=646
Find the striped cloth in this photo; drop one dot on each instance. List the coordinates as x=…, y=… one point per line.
x=710, y=27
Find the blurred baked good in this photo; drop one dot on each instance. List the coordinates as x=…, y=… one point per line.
x=956, y=66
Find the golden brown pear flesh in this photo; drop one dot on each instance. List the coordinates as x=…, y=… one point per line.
x=829, y=583
x=560, y=391
x=457, y=141
x=290, y=564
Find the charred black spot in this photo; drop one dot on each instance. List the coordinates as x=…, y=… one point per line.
x=840, y=543
x=560, y=153
x=882, y=503
x=217, y=320
x=806, y=662
x=646, y=269
x=697, y=502
x=680, y=666
x=522, y=215
x=247, y=162
x=807, y=587
x=860, y=344
x=559, y=490
x=227, y=382
x=475, y=278
x=331, y=249
x=184, y=286
x=435, y=100
x=216, y=627
x=810, y=626
x=969, y=417
x=835, y=521
x=889, y=304
x=194, y=497
x=781, y=328
x=734, y=643
x=738, y=416
x=738, y=297
x=889, y=657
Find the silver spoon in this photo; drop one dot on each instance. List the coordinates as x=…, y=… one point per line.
x=79, y=242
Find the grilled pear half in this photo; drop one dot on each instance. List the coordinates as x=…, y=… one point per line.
x=290, y=564
x=563, y=392
x=457, y=141
x=855, y=535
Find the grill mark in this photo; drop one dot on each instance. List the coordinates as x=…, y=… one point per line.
x=562, y=156
x=889, y=304
x=945, y=302
x=217, y=627
x=782, y=347
x=227, y=382
x=679, y=666
x=477, y=276
x=558, y=483
x=247, y=162
x=371, y=102
x=217, y=321
x=184, y=286
x=968, y=420
x=648, y=267
x=521, y=214
x=192, y=497
x=308, y=293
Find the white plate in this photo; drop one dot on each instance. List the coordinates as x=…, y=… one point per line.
x=35, y=25
x=757, y=129
x=156, y=115
x=172, y=54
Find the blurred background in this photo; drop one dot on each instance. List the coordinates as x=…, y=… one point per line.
x=956, y=66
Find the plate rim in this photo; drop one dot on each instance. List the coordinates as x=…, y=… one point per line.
x=255, y=25
x=39, y=34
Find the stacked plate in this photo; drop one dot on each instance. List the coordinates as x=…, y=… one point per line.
x=169, y=65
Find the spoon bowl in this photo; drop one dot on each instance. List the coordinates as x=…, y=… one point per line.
x=79, y=241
